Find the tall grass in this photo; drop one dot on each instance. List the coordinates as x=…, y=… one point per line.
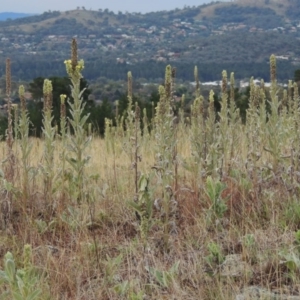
x=216, y=198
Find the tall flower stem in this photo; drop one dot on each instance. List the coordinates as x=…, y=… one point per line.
x=78, y=141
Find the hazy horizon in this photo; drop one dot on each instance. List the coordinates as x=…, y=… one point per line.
x=36, y=7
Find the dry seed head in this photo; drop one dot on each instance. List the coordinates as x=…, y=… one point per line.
x=197, y=108
x=137, y=112
x=252, y=87
x=22, y=97
x=162, y=93
x=285, y=97
x=197, y=80
x=8, y=78
x=262, y=84
x=290, y=90
x=73, y=66
x=196, y=73
x=256, y=95
x=211, y=101
x=168, y=80
x=161, y=106
x=47, y=90
x=129, y=82
x=262, y=95
x=232, y=84
x=15, y=107
x=211, y=96
x=194, y=107
x=74, y=55
x=273, y=68
x=50, y=100
x=63, y=106
x=224, y=82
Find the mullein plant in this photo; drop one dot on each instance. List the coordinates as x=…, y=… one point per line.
x=137, y=157
x=235, y=121
x=211, y=140
x=146, y=133
x=276, y=135
x=129, y=120
x=77, y=142
x=253, y=128
x=132, y=134
x=49, y=140
x=9, y=171
x=262, y=105
x=181, y=112
x=24, y=283
x=176, y=133
x=263, y=115
x=143, y=205
x=16, y=120
x=198, y=135
x=165, y=138
x=224, y=128
x=25, y=146
x=63, y=134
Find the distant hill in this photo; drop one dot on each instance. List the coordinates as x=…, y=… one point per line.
x=11, y=15
x=237, y=35
x=264, y=14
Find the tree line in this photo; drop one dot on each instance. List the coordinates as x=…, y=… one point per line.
x=106, y=109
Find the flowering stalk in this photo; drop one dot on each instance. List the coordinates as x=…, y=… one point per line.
x=63, y=132
x=78, y=142
x=211, y=142
x=49, y=135
x=24, y=144
x=6, y=206
x=197, y=138
x=9, y=135
x=165, y=137
x=224, y=120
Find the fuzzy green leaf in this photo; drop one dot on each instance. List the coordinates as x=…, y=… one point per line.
x=34, y=295
x=10, y=269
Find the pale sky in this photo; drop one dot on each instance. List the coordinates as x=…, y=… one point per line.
x=40, y=6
